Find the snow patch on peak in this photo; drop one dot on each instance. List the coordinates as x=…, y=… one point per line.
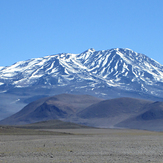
x=129, y=49
x=1, y=83
x=1, y=67
x=89, y=50
x=123, y=57
x=92, y=49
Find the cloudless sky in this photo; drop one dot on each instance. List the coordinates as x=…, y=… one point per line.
x=37, y=28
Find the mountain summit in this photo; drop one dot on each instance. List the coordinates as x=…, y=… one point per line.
x=106, y=74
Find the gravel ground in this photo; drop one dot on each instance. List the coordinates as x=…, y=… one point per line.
x=85, y=145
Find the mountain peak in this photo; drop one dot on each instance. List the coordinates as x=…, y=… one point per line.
x=89, y=50
x=119, y=68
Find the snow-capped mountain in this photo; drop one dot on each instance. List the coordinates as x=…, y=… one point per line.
x=92, y=72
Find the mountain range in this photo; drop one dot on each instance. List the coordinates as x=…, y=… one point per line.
x=90, y=111
x=60, y=106
x=105, y=74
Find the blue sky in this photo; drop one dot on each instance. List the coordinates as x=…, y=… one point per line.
x=37, y=28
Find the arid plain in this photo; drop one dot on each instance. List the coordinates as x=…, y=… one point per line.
x=80, y=145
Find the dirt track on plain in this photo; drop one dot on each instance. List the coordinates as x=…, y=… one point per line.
x=84, y=145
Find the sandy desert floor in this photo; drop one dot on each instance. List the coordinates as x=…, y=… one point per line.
x=83, y=145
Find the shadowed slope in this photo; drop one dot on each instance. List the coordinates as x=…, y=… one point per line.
x=114, y=107
x=108, y=113
x=152, y=119
x=55, y=107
